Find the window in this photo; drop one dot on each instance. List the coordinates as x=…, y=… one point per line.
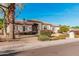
x=30, y=28
x=45, y=27
x=20, y=28
x=26, y=28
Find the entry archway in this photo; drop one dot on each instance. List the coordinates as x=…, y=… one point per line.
x=35, y=28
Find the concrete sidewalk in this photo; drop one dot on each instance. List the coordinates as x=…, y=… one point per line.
x=17, y=47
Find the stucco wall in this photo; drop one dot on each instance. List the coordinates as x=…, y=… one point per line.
x=56, y=29
x=20, y=28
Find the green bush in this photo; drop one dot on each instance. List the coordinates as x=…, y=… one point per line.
x=43, y=38
x=63, y=29
x=46, y=32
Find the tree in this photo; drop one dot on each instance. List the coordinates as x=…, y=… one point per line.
x=3, y=10
x=1, y=23
x=64, y=29
x=11, y=17
x=75, y=27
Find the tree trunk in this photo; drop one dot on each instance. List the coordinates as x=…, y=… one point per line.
x=5, y=25
x=11, y=20
x=4, y=22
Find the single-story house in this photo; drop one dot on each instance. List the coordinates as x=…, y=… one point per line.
x=33, y=26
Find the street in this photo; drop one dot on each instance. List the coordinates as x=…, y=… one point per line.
x=61, y=50
x=70, y=49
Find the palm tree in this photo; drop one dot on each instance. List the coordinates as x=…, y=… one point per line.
x=11, y=18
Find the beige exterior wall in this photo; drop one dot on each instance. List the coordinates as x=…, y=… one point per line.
x=56, y=29
x=28, y=28
x=39, y=28
x=43, y=27
x=47, y=26
x=20, y=28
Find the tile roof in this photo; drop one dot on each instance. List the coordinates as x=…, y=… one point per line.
x=30, y=22
x=23, y=22
x=34, y=21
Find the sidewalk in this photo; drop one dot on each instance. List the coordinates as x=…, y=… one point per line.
x=13, y=47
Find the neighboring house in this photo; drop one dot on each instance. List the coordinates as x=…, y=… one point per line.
x=33, y=26
x=76, y=31
x=56, y=28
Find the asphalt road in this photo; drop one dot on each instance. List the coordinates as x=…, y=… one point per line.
x=71, y=49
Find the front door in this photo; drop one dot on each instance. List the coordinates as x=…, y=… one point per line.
x=35, y=28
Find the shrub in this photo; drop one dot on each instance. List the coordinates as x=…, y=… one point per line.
x=59, y=37
x=54, y=38
x=63, y=29
x=46, y=32
x=43, y=38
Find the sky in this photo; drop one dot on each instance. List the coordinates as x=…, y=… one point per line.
x=54, y=13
